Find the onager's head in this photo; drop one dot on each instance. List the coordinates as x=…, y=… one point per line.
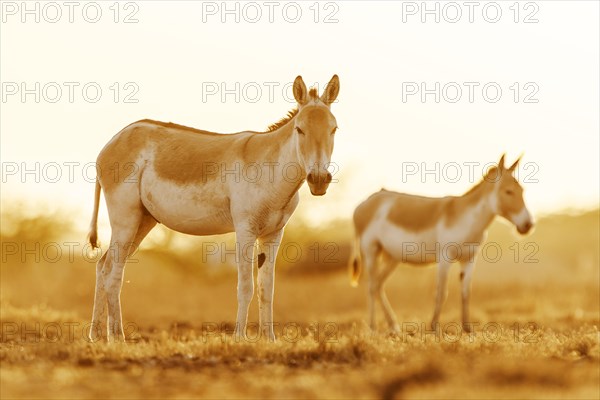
x=314, y=131
x=510, y=203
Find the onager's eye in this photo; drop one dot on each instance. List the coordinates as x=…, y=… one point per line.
x=299, y=131
x=509, y=192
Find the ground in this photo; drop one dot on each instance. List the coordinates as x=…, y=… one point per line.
x=536, y=332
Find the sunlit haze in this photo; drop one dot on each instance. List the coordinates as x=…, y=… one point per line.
x=389, y=136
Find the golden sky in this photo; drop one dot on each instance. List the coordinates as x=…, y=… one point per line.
x=176, y=59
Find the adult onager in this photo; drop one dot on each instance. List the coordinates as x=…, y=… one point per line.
x=204, y=183
x=398, y=227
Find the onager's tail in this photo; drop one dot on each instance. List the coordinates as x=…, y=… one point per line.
x=355, y=265
x=93, y=235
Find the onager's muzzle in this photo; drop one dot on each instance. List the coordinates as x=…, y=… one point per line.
x=523, y=221
x=318, y=182
x=525, y=227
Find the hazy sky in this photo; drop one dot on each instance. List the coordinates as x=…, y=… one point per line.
x=176, y=59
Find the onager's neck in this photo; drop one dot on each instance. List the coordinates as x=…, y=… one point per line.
x=481, y=200
x=290, y=173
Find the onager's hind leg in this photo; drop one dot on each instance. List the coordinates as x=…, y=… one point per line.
x=267, y=253
x=99, y=314
x=370, y=255
x=129, y=228
x=388, y=266
x=103, y=265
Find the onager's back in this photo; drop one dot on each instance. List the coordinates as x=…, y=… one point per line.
x=417, y=230
x=152, y=157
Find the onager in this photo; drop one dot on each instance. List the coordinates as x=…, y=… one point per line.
x=398, y=227
x=204, y=183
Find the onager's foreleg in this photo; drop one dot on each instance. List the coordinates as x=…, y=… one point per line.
x=442, y=292
x=465, y=276
x=245, y=241
x=267, y=253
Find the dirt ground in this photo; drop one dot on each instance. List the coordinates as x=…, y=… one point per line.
x=536, y=332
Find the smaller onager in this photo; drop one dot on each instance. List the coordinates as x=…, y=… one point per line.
x=398, y=227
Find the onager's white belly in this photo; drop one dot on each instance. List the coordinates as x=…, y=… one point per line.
x=434, y=244
x=193, y=209
x=406, y=246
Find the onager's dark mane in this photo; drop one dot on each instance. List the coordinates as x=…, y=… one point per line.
x=312, y=95
x=291, y=114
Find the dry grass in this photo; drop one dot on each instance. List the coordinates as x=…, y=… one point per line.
x=172, y=304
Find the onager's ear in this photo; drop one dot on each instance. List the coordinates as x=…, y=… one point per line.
x=501, y=163
x=514, y=166
x=331, y=91
x=300, y=92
